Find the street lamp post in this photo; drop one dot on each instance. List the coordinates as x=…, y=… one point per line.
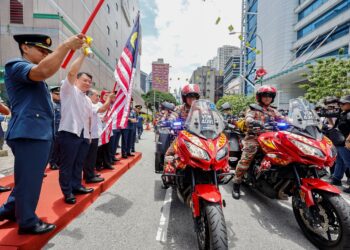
x=261, y=42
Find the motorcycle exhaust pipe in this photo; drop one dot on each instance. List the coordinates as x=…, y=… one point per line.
x=281, y=195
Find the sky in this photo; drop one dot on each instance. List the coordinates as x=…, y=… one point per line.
x=185, y=34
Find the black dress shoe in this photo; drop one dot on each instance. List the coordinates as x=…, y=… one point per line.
x=83, y=190
x=53, y=166
x=4, y=189
x=124, y=156
x=97, y=175
x=133, y=151
x=108, y=167
x=70, y=199
x=131, y=155
x=7, y=216
x=115, y=159
x=39, y=228
x=94, y=180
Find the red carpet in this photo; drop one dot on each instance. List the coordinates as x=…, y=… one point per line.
x=52, y=209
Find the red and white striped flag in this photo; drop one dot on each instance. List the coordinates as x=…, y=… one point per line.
x=117, y=116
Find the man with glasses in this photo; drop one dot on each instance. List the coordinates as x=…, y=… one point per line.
x=31, y=128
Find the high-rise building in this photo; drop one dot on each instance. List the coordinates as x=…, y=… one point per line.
x=224, y=54
x=231, y=71
x=143, y=81
x=299, y=33
x=62, y=19
x=160, y=75
x=209, y=82
x=149, y=82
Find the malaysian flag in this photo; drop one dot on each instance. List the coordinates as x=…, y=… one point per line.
x=124, y=74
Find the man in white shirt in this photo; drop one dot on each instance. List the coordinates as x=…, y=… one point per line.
x=75, y=130
x=96, y=131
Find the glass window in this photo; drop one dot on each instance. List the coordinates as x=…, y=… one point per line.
x=311, y=8
x=16, y=12
x=108, y=9
x=335, y=11
x=116, y=6
x=108, y=30
x=108, y=52
x=116, y=25
x=336, y=52
x=341, y=31
x=116, y=43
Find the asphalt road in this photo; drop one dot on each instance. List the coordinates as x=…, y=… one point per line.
x=136, y=213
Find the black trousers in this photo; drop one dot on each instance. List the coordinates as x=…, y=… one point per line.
x=74, y=150
x=103, y=156
x=31, y=158
x=90, y=160
x=55, y=152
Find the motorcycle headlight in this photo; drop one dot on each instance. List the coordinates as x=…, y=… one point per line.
x=197, y=151
x=307, y=149
x=221, y=153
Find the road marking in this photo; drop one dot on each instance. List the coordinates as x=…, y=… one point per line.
x=164, y=217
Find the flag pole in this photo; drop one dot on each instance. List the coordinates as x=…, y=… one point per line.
x=84, y=30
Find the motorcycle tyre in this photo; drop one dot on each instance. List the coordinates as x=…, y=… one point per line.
x=342, y=210
x=216, y=226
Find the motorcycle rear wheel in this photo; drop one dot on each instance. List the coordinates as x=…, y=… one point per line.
x=335, y=216
x=212, y=232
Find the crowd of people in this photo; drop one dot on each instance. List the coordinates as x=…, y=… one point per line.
x=60, y=126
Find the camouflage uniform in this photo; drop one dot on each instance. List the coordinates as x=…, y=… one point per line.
x=250, y=142
x=182, y=113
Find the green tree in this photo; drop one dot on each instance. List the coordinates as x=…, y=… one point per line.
x=328, y=77
x=155, y=97
x=238, y=102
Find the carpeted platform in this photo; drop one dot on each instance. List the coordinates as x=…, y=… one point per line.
x=53, y=209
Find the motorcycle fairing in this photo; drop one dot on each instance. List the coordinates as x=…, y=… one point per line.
x=207, y=192
x=309, y=184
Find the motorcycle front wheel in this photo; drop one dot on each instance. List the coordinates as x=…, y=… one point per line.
x=211, y=233
x=330, y=228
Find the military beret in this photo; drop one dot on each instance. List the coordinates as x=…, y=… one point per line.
x=38, y=40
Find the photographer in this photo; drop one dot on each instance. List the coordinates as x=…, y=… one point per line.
x=343, y=158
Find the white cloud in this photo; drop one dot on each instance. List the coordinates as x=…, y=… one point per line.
x=187, y=34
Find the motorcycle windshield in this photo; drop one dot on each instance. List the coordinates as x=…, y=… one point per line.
x=302, y=115
x=204, y=120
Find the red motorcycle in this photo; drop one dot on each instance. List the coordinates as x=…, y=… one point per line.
x=291, y=160
x=201, y=155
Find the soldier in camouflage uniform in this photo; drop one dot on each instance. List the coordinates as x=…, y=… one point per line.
x=264, y=96
x=189, y=93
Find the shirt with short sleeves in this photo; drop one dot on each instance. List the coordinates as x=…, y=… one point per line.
x=32, y=114
x=76, y=110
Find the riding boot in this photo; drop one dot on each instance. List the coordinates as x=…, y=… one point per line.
x=236, y=193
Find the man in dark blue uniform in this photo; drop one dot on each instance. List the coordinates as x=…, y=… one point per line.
x=55, y=159
x=31, y=128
